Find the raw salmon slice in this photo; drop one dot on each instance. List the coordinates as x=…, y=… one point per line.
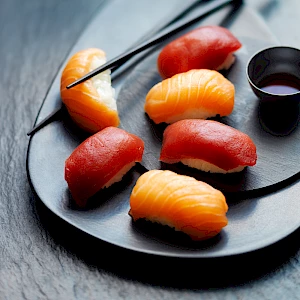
x=180, y=202
x=90, y=104
x=196, y=94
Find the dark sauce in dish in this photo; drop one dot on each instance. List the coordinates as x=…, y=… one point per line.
x=280, y=84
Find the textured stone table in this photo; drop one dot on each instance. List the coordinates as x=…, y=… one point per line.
x=42, y=257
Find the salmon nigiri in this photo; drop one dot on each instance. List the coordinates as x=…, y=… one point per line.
x=100, y=161
x=179, y=201
x=90, y=104
x=196, y=94
x=208, y=145
x=206, y=47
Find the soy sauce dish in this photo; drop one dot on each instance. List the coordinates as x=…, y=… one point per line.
x=274, y=74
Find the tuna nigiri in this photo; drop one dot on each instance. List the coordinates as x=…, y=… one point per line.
x=208, y=145
x=90, y=104
x=179, y=201
x=100, y=161
x=207, y=47
x=196, y=94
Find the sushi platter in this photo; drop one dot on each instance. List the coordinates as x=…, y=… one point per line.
x=259, y=213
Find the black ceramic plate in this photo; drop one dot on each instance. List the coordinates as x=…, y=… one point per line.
x=253, y=222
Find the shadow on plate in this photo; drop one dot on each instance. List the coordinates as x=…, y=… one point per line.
x=232, y=182
x=105, y=199
x=73, y=131
x=166, y=235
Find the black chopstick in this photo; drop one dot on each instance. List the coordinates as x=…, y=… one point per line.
x=51, y=117
x=121, y=59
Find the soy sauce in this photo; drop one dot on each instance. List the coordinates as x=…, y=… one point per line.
x=280, y=84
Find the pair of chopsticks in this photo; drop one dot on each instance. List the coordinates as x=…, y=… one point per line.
x=211, y=7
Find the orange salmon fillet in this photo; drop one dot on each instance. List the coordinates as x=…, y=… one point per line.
x=179, y=201
x=86, y=106
x=196, y=94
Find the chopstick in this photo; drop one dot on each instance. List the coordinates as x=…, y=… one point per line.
x=119, y=60
x=171, y=30
x=51, y=117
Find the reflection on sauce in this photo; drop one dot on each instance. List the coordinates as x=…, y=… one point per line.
x=280, y=89
x=280, y=84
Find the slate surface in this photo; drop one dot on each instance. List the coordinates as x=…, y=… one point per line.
x=42, y=257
